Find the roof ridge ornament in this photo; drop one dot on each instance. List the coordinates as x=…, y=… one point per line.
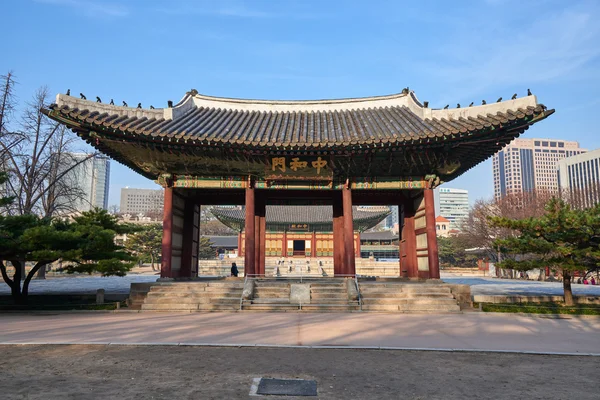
x=192, y=92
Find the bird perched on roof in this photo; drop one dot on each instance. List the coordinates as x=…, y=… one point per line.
x=471, y=105
x=125, y=104
x=98, y=100
x=483, y=102
x=514, y=96
x=139, y=105
x=457, y=105
x=68, y=92
x=170, y=103
x=82, y=96
x=426, y=104
x=151, y=107
x=447, y=105
x=112, y=102
x=499, y=100
x=528, y=92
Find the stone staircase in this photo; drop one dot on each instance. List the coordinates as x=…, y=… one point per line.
x=407, y=297
x=325, y=296
x=194, y=296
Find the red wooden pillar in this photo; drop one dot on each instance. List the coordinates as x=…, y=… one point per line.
x=349, y=257
x=256, y=239
x=432, y=248
x=188, y=239
x=167, y=239
x=408, y=241
x=284, y=247
x=249, y=231
x=338, y=234
x=239, y=244
x=261, y=211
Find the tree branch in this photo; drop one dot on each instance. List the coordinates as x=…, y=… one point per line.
x=30, y=275
x=5, y=276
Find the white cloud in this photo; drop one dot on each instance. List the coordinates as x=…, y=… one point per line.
x=556, y=46
x=91, y=8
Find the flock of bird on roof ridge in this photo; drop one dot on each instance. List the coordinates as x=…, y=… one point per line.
x=404, y=91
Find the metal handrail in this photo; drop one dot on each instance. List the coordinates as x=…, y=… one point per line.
x=358, y=291
x=242, y=295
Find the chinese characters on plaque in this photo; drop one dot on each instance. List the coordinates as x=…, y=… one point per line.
x=280, y=164
x=298, y=227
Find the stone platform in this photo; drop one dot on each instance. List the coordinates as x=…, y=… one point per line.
x=300, y=294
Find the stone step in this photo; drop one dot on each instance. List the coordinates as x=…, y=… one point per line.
x=192, y=285
x=330, y=307
x=169, y=307
x=270, y=307
x=411, y=308
x=273, y=300
x=425, y=289
x=194, y=294
x=219, y=307
x=327, y=286
x=428, y=301
x=271, y=290
x=330, y=301
x=259, y=284
x=191, y=300
x=195, y=288
x=318, y=295
x=404, y=295
x=270, y=295
x=329, y=292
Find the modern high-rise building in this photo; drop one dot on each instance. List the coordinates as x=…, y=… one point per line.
x=452, y=204
x=141, y=201
x=528, y=164
x=392, y=219
x=579, y=177
x=91, y=176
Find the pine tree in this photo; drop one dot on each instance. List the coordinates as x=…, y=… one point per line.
x=562, y=238
x=86, y=245
x=146, y=243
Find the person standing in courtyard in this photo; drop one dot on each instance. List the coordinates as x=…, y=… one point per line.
x=234, y=270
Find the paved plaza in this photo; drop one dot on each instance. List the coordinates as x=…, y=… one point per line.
x=469, y=331
x=479, y=285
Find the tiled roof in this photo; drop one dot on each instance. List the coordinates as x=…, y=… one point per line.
x=303, y=214
x=439, y=218
x=396, y=119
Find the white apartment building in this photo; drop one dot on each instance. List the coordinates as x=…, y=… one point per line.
x=580, y=176
x=452, y=204
x=141, y=201
x=528, y=164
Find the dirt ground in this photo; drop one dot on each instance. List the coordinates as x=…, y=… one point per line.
x=172, y=372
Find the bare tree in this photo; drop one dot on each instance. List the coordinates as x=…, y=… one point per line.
x=40, y=162
x=38, y=159
x=7, y=105
x=477, y=232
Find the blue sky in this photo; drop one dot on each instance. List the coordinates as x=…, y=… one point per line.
x=447, y=52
